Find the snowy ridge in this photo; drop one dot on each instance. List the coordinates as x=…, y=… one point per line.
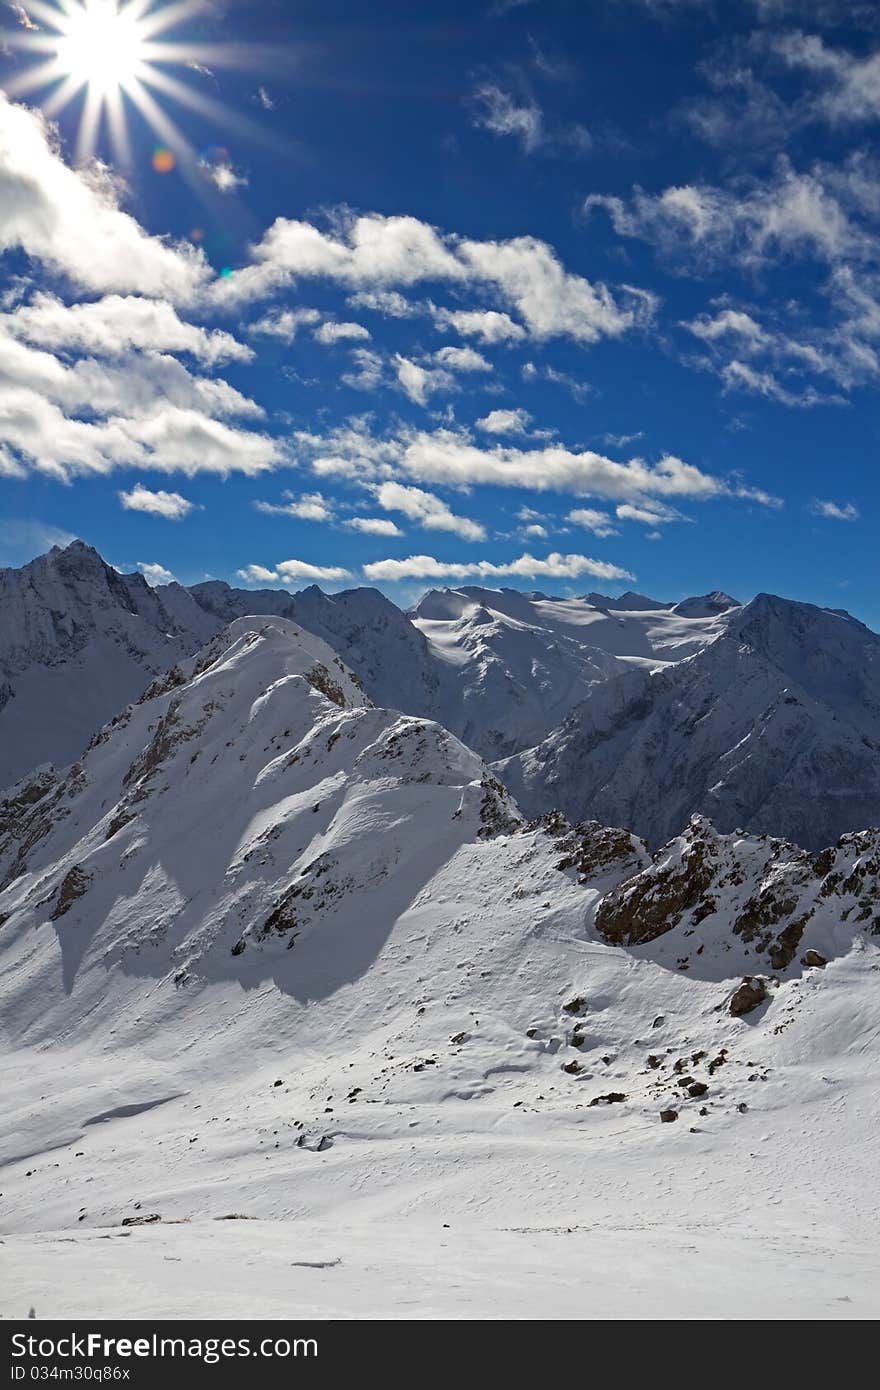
x=221, y=804
x=370, y=634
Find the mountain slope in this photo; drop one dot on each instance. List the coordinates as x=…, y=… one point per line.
x=775, y=727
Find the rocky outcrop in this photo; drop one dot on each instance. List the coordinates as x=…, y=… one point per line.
x=776, y=900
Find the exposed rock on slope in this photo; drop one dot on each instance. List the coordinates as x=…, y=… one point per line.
x=753, y=895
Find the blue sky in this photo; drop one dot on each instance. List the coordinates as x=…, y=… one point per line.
x=552, y=295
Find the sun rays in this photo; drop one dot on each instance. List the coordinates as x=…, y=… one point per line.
x=113, y=57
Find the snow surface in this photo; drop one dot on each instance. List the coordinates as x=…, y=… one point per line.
x=273, y=954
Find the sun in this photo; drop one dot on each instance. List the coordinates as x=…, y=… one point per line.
x=114, y=55
x=102, y=45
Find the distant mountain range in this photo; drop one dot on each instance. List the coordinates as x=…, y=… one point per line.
x=630, y=711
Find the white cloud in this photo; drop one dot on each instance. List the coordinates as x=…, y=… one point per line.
x=450, y=458
x=552, y=301
x=578, y=390
x=420, y=383
x=505, y=422
x=223, y=176
x=728, y=323
x=73, y=223
x=292, y=571
x=620, y=441
x=462, y=359
x=842, y=351
x=599, y=523
x=258, y=574
x=167, y=504
x=312, y=506
x=488, y=325
x=427, y=511
x=114, y=325
x=331, y=332
x=834, y=511
x=284, y=323
x=536, y=530
x=520, y=117
x=739, y=376
x=90, y=416
x=369, y=372
x=374, y=526
x=648, y=514
x=165, y=438
x=851, y=83
x=155, y=573
x=555, y=566
x=375, y=253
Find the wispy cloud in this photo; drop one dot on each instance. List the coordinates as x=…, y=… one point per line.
x=835, y=511
x=501, y=111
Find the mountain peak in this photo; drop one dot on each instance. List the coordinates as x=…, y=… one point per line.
x=706, y=605
x=628, y=602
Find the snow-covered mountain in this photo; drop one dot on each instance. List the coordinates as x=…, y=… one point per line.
x=300, y=957
x=641, y=714
x=247, y=789
x=78, y=640
x=512, y=664
x=367, y=630
x=651, y=632
x=774, y=726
